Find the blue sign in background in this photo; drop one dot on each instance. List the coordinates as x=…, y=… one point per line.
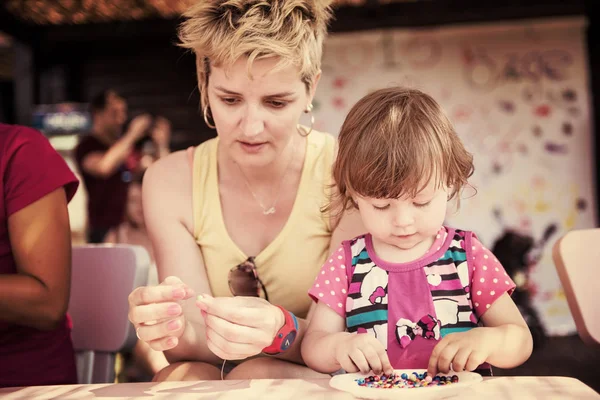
x=62, y=119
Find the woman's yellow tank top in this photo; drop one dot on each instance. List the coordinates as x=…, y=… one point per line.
x=288, y=266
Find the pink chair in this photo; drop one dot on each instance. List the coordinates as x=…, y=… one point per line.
x=576, y=256
x=102, y=278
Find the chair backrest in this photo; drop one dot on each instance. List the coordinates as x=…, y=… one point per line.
x=576, y=255
x=102, y=278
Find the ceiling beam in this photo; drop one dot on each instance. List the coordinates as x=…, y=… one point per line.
x=17, y=29
x=347, y=18
x=440, y=12
x=118, y=30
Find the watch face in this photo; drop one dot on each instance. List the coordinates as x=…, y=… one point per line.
x=288, y=340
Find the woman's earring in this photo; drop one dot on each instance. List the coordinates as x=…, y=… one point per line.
x=205, y=112
x=312, y=121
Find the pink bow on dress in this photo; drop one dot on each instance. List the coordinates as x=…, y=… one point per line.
x=427, y=327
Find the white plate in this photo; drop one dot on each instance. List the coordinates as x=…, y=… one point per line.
x=347, y=383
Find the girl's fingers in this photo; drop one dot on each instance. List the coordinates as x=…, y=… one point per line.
x=432, y=368
x=373, y=360
x=386, y=365
x=459, y=362
x=347, y=365
x=475, y=360
x=359, y=359
x=446, y=357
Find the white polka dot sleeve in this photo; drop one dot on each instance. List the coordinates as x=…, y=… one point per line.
x=331, y=284
x=489, y=280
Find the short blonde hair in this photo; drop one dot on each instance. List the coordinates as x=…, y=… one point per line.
x=222, y=31
x=392, y=143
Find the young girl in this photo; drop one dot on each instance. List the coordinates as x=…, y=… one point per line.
x=411, y=293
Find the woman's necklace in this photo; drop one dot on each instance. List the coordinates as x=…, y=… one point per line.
x=269, y=210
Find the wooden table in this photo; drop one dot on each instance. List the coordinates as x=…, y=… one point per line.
x=522, y=388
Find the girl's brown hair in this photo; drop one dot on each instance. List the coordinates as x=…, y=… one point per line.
x=392, y=143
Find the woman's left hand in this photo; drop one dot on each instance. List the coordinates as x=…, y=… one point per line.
x=464, y=351
x=239, y=327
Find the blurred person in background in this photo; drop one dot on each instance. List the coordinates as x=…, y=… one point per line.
x=35, y=261
x=154, y=145
x=101, y=158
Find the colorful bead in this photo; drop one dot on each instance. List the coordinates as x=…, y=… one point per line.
x=414, y=380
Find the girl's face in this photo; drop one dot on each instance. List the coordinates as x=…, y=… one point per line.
x=256, y=116
x=406, y=223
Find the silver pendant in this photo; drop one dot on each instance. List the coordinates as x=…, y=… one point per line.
x=269, y=211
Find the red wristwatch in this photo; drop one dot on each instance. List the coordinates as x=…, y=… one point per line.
x=285, y=336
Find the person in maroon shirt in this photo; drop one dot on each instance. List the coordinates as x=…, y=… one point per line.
x=35, y=261
x=102, y=160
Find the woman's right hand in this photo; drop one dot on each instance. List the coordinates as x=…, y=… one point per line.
x=157, y=314
x=362, y=353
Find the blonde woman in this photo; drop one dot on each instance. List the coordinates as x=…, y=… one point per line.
x=237, y=220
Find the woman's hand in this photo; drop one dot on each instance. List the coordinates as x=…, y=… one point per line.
x=364, y=353
x=464, y=351
x=239, y=327
x=156, y=313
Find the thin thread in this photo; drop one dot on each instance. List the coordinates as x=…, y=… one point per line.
x=222, y=378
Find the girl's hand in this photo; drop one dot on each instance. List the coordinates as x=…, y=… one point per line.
x=464, y=350
x=239, y=327
x=156, y=313
x=364, y=353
